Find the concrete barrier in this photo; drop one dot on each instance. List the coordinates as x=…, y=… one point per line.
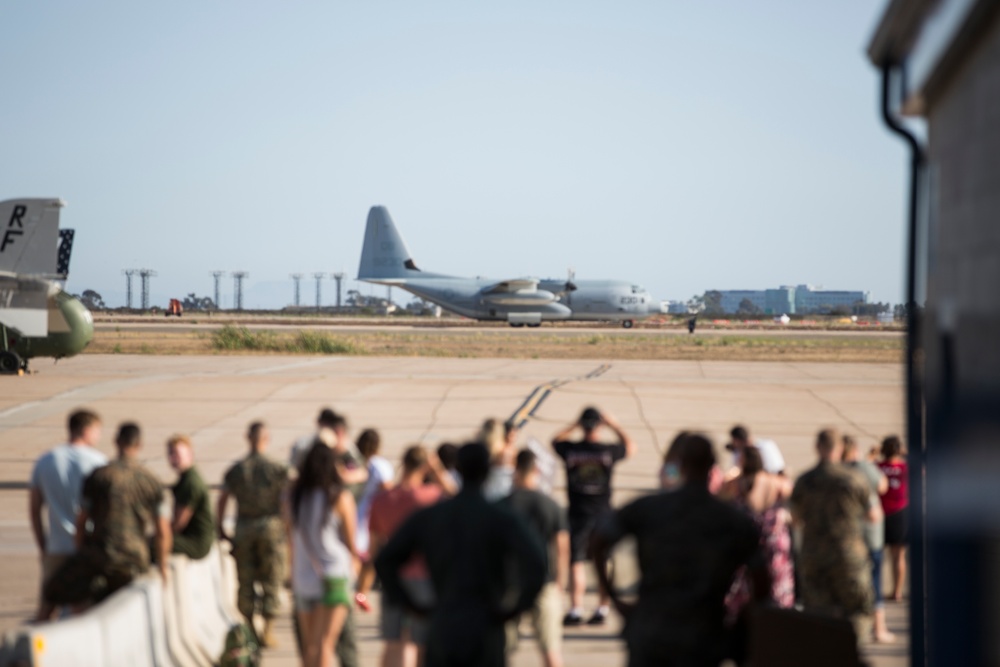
x=126, y=629
x=203, y=604
x=182, y=617
x=229, y=580
x=152, y=590
x=224, y=581
x=146, y=624
x=180, y=649
x=75, y=641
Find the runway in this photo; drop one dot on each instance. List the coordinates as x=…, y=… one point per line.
x=460, y=327
x=425, y=400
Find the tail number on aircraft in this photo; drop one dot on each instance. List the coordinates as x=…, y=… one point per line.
x=11, y=232
x=629, y=300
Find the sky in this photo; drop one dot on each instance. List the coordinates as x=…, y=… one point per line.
x=683, y=146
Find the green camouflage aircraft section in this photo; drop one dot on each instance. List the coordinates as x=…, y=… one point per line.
x=37, y=317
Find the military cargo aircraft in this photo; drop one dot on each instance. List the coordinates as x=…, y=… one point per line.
x=37, y=318
x=385, y=260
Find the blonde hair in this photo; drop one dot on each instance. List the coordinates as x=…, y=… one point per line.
x=493, y=437
x=179, y=439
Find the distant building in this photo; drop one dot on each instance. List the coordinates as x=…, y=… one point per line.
x=732, y=299
x=811, y=300
x=675, y=307
x=800, y=299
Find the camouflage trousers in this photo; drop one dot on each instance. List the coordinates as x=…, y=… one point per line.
x=87, y=576
x=843, y=590
x=259, y=550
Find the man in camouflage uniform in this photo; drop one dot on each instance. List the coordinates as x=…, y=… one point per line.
x=120, y=500
x=259, y=544
x=832, y=504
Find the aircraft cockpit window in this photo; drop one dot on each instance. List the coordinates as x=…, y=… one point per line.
x=637, y=290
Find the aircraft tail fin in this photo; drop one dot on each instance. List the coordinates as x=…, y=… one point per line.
x=384, y=256
x=29, y=236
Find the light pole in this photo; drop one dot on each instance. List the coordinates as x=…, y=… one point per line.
x=128, y=286
x=339, y=277
x=297, y=277
x=238, y=277
x=217, y=276
x=319, y=288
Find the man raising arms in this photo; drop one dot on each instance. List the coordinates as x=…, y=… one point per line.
x=589, y=464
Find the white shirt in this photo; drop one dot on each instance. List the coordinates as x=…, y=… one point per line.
x=770, y=456
x=380, y=471
x=59, y=475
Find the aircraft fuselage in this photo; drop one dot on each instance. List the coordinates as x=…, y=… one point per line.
x=71, y=328
x=594, y=300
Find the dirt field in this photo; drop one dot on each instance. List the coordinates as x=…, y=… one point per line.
x=494, y=342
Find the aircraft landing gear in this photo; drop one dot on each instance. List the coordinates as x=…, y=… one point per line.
x=10, y=363
x=517, y=324
x=628, y=324
x=535, y=325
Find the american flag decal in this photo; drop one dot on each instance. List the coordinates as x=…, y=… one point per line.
x=65, y=249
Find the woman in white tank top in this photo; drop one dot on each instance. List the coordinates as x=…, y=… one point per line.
x=324, y=560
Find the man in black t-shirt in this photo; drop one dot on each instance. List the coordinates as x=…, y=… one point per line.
x=589, y=463
x=485, y=565
x=548, y=522
x=690, y=545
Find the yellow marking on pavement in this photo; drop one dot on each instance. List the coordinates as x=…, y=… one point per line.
x=542, y=391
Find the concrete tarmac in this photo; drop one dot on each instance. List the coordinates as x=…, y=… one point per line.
x=410, y=400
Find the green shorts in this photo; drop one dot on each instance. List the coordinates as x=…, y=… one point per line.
x=336, y=591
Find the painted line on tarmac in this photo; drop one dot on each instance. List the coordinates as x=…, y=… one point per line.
x=26, y=413
x=291, y=366
x=543, y=391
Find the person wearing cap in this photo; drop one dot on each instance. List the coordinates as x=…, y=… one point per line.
x=589, y=464
x=739, y=440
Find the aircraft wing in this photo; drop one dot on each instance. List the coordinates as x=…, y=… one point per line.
x=516, y=285
x=24, y=305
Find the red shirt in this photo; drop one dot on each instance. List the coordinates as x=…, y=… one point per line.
x=391, y=508
x=897, y=497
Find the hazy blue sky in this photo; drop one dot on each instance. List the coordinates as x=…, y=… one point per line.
x=680, y=145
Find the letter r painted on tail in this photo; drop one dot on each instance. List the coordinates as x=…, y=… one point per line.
x=16, y=218
x=17, y=215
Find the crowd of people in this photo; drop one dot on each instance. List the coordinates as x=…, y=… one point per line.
x=464, y=540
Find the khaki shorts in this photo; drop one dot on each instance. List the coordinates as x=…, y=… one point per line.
x=546, y=620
